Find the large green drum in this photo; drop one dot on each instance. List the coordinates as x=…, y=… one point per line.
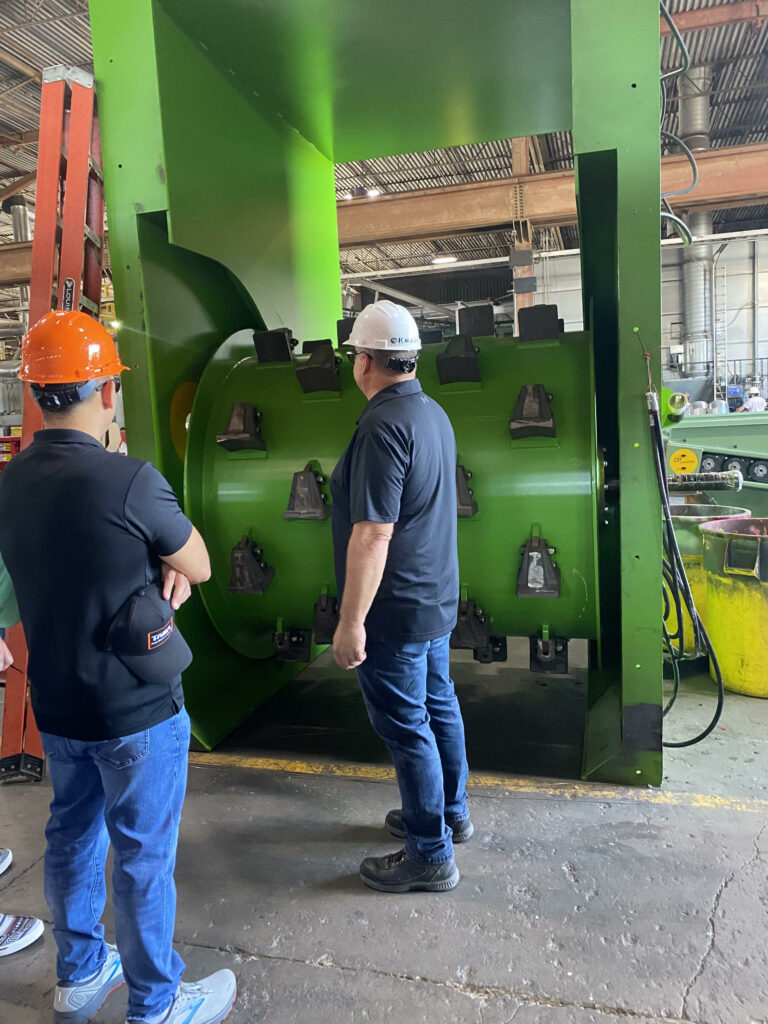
x=531, y=486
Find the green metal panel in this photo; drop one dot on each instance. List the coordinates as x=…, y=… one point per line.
x=514, y=481
x=220, y=125
x=615, y=52
x=363, y=79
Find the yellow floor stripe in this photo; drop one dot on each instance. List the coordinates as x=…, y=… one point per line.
x=501, y=783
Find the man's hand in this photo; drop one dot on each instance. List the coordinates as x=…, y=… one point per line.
x=176, y=586
x=349, y=644
x=6, y=658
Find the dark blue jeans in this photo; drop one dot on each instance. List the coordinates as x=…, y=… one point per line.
x=412, y=705
x=129, y=792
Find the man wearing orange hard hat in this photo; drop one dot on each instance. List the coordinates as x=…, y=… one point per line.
x=101, y=556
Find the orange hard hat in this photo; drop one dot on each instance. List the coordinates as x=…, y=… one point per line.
x=66, y=347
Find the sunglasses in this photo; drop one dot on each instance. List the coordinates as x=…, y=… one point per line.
x=115, y=381
x=353, y=353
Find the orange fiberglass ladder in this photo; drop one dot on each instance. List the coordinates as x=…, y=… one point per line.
x=67, y=252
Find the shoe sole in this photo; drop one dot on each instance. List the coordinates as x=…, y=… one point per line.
x=458, y=837
x=32, y=935
x=231, y=1006
x=76, y=1017
x=444, y=886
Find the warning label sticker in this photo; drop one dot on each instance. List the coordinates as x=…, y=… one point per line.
x=683, y=461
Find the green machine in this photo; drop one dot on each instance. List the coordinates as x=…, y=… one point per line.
x=716, y=443
x=221, y=124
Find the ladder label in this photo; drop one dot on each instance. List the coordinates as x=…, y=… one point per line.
x=68, y=298
x=684, y=461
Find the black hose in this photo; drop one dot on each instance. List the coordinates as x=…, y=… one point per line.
x=674, y=570
x=675, y=675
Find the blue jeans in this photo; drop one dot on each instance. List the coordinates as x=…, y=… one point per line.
x=412, y=705
x=129, y=792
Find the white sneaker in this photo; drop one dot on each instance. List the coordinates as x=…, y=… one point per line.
x=200, y=1002
x=5, y=860
x=78, y=1001
x=18, y=932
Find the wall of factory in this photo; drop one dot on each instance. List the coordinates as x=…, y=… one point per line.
x=559, y=281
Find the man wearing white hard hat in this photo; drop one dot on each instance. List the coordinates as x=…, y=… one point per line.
x=394, y=536
x=755, y=402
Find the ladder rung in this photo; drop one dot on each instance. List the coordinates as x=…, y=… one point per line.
x=96, y=168
x=92, y=236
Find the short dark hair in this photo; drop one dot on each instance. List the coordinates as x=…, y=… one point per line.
x=61, y=399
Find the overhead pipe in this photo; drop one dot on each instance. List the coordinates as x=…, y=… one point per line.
x=22, y=232
x=696, y=261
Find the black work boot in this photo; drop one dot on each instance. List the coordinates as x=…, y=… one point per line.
x=397, y=872
x=462, y=829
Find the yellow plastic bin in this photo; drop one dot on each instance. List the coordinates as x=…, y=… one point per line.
x=686, y=520
x=736, y=568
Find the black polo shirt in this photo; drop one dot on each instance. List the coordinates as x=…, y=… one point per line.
x=400, y=467
x=82, y=529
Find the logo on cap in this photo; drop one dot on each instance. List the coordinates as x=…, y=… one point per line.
x=157, y=637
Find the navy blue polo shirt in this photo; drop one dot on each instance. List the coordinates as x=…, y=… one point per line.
x=400, y=467
x=81, y=530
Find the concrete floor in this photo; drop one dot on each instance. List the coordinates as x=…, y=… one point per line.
x=578, y=904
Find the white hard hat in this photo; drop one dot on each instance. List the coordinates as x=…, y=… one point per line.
x=754, y=391
x=385, y=325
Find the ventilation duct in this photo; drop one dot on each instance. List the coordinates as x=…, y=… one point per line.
x=696, y=261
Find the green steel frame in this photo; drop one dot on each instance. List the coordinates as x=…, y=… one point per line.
x=221, y=124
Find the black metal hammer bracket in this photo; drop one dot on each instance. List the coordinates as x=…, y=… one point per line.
x=533, y=414
x=472, y=633
x=496, y=650
x=293, y=644
x=538, y=576
x=307, y=500
x=243, y=431
x=321, y=371
x=274, y=346
x=326, y=618
x=550, y=655
x=465, y=506
x=250, y=574
x=458, y=363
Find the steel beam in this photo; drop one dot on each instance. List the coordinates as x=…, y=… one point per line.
x=12, y=61
x=714, y=17
x=412, y=300
x=18, y=185
x=727, y=177
x=19, y=139
x=15, y=264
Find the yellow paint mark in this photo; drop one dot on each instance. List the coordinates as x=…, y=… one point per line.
x=684, y=461
x=501, y=783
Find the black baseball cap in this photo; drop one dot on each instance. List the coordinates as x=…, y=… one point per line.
x=144, y=637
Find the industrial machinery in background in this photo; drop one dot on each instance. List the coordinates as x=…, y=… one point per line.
x=717, y=444
x=226, y=282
